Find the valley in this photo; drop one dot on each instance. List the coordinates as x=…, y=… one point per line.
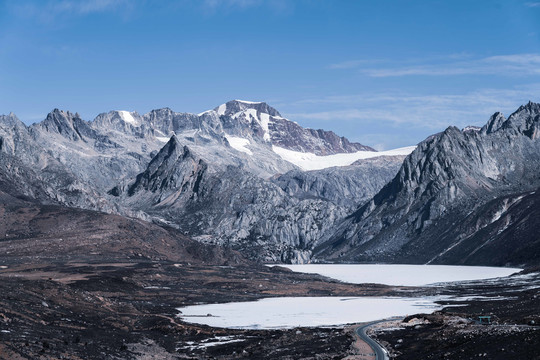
x=109, y=227
x=86, y=309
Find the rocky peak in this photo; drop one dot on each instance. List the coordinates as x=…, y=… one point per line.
x=530, y=108
x=118, y=120
x=169, y=169
x=12, y=132
x=526, y=120
x=494, y=123
x=64, y=123
x=10, y=120
x=160, y=115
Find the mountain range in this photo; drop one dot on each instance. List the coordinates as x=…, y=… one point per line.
x=244, y=177
x=219, y=176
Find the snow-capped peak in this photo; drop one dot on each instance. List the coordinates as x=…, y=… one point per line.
x=236, y=106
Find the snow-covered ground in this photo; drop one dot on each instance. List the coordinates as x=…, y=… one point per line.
x=289, y=312
x=310, y=161
x=407, y=275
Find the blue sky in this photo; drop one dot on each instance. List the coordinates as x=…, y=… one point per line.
x=385, y=73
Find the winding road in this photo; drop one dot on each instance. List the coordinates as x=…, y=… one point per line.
x=379, y=351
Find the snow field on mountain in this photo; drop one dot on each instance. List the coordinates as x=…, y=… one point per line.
x=127, y=117
x=239, y=144
x=310, y=161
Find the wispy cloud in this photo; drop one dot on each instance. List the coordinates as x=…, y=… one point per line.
x=392, y=119
x=360, y=63
x=351, y=64
x=240, y=4
x=427, y=111
x=505, y=65
x=48, y=11
x=282, y=7
x=532, y=4
x=87, y=6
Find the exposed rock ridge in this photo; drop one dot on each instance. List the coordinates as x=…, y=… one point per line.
x=448, y=177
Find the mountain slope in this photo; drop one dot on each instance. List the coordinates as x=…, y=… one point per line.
x=347, y=186
x=227, y=206
x=29, y=229
x=447, y=179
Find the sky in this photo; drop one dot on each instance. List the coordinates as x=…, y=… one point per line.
x=384, y=73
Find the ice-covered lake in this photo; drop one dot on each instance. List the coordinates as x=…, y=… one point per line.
x=289, y=312
x=406, y=275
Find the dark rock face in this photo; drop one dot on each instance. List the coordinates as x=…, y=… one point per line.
x=438, y=205
x=292, y=136
x=502, y=232
x=173, y=168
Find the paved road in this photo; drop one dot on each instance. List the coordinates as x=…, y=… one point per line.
x=379, y=351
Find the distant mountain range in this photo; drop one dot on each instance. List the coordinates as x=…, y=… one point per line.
x=244, y=177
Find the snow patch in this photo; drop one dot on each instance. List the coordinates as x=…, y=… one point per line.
x=221, y=109
x=157, y=287
x=216, y=341
x=248, y=114
x=505, y=206
x=163, y=138
x=471, y=128
x=239, y=144
x=310, y=161
x=265, y=120
x=204, y=112
x=249, y=102
x=127, y=117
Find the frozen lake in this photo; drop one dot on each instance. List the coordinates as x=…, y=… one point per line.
x=407, y=275
x=289, y=312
